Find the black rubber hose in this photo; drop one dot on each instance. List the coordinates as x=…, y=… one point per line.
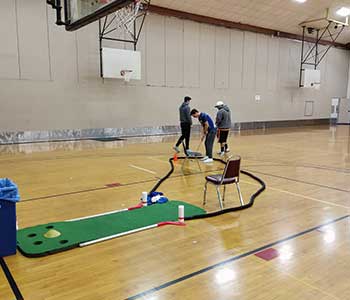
x=220, y=212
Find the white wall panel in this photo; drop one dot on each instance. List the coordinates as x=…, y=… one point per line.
x=323, y=68
x=174, y=52
x=261, y=63
x=191, y=54
x=283, y=64
x=207, y=56
x=249, y=60
x=155, y=51
x=222, y=58
x=294, y=63
x=9, y=67
x=33, y=40
x=63, y=52
x=337, y=64
x=141, y=46
x=272, y=64
x=88, y=57
x=236, y=59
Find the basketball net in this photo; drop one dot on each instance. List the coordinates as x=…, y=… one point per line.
x=125, y=17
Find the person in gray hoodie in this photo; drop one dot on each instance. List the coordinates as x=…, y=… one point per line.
x=223, y=123
x=185, y=123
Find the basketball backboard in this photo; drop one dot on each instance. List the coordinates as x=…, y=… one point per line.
x=82, y=12
x=311, y=78
x=121, y=64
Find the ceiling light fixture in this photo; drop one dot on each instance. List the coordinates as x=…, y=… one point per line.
x=300, y=1
x=343, y=12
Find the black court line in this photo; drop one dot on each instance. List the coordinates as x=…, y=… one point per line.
x=301, y=181
x=336, y=170
x=232, y=259
x=106, y=188
x=152, y=180
x=284, y=164
x=84, y=191
x=11, y=280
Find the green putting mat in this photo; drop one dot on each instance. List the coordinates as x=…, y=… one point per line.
x=32, y=242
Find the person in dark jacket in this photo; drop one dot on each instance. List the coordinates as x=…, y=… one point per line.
x=185, y=123
x=223, y=123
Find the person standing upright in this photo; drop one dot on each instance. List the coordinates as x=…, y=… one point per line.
x=185, y=123
x=223, y=123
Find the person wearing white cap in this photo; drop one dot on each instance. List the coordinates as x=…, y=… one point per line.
x=223, y=123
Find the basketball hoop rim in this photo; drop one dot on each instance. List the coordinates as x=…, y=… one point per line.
x=126, y=74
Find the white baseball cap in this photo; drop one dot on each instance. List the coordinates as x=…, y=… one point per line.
x=219, y=103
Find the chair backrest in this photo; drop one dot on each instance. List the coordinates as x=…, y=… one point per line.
x=232, y=169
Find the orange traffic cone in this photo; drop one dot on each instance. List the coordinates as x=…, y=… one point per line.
x=175, y=157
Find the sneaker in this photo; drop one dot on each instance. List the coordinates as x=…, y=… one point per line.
x=218, y=153
x=189, y=151
x=221, y=153
x=208, y=160
x=176, y=149
x=204, y=158
x=227, y=150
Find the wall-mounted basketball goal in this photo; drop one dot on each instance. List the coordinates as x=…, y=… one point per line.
x=120, y=21
x=318, y=37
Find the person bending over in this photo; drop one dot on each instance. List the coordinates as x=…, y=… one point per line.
x=208, y=133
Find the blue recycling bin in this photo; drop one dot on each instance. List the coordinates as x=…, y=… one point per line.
x=8, y=232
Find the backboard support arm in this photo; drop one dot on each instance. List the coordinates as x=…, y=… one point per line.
x=313, y=56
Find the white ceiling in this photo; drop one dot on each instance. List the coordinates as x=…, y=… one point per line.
x=281, y=15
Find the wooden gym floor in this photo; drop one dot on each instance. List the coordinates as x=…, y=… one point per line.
x=307, y=172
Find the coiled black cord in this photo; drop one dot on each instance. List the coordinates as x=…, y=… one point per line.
x=220, y=212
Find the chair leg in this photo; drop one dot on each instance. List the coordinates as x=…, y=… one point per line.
x=219, y=196
x=223, y=198
x=205, y=193
x=239, y=194
x=183, y=165
x=199, y=165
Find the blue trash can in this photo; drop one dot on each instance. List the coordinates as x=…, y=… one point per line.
x=8, y=232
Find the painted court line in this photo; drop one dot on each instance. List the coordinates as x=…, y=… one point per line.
x=10, y=280
x=307, y=284
x=309, y=198
x=301, y=181
x=142, y=169
x=232, y=259
x=167, y=162
x=105, y=188
x=299, y=195
x=311, y=166
x=159, y=160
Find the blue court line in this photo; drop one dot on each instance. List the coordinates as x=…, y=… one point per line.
x=234, y=258
x=11, y=280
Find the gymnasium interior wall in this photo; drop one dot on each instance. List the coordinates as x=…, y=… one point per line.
x=49, y=78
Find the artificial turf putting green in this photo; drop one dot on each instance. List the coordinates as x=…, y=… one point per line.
x=32, y=243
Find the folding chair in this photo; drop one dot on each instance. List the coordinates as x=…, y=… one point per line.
x=229, y=176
